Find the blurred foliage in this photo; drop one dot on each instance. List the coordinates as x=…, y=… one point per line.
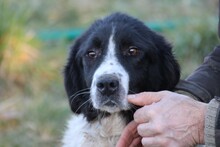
x=24, y=66
x=33, y=108
x=38, y=122
x=192, y=41
x=17, y=52
x=196, y=38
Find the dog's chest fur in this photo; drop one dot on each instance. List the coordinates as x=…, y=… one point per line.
x=105, y=132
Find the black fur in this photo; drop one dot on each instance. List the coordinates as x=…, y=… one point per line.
x=154, y=69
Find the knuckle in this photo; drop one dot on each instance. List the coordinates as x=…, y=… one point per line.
x=136, y=116
x=163, y=142
x=140, y=115
x=143, y=142
x=152, y=113
x=148, y=142
x=139, y=128
x=159, y=128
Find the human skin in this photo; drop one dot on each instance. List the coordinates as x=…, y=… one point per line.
x=166, y=119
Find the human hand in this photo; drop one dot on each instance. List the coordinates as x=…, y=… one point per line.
x=167, y=119
x=130, y=137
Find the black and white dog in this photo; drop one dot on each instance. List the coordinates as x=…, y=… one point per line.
x=116, y=56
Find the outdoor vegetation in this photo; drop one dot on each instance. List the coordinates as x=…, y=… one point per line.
x=34, y=43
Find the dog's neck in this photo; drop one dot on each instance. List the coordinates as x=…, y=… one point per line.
x=109, y=126
x=104, y=132
x=91, y=114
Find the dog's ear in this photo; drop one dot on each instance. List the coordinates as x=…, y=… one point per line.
x=171, y=71
x=73, y=77
x=169, y=66
x=75, y=84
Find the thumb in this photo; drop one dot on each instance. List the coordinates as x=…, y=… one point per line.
x=128, y=135
x=145, y=98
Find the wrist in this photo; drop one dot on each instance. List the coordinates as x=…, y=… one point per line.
x=210, y=122
x=201, y=133
x=198, y=119
x=198, y=127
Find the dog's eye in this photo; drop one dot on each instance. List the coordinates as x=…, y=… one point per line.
x=132, y=51
x=92, y=54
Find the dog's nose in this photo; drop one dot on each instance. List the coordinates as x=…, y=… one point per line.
x=107, y=85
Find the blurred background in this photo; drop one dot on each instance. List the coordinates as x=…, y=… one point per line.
x=34, y=39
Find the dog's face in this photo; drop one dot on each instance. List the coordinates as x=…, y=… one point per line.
x=109, y=83
x=114, y=57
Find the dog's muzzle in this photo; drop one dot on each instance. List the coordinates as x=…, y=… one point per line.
x=109, y=94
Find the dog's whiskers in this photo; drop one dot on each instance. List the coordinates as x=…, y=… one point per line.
x=86, y=92
x=132, y=110
x=104, y=113
x=79, y=92
x=82, y=105
x=132, y=92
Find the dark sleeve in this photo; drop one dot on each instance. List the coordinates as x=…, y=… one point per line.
x=204, y=82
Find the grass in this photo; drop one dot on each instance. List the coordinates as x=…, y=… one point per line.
x=33, y=103
x=35, y=114
x=39, y=123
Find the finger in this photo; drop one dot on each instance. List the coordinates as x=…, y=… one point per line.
x=145, y=114
x=128, y=135
x=146, y=98
x=148, y=130
x=154, y=141
x=136, y=142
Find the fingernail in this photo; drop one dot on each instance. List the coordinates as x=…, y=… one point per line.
x=131, y=96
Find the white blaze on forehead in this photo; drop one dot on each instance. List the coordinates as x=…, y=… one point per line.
x=110, y=65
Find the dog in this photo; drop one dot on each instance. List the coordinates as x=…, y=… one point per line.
x=118, y=55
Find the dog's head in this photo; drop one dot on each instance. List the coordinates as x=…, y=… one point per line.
x=116, y=56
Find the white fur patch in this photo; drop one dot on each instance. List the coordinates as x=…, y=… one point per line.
x=103, y=133
x=111, y=65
